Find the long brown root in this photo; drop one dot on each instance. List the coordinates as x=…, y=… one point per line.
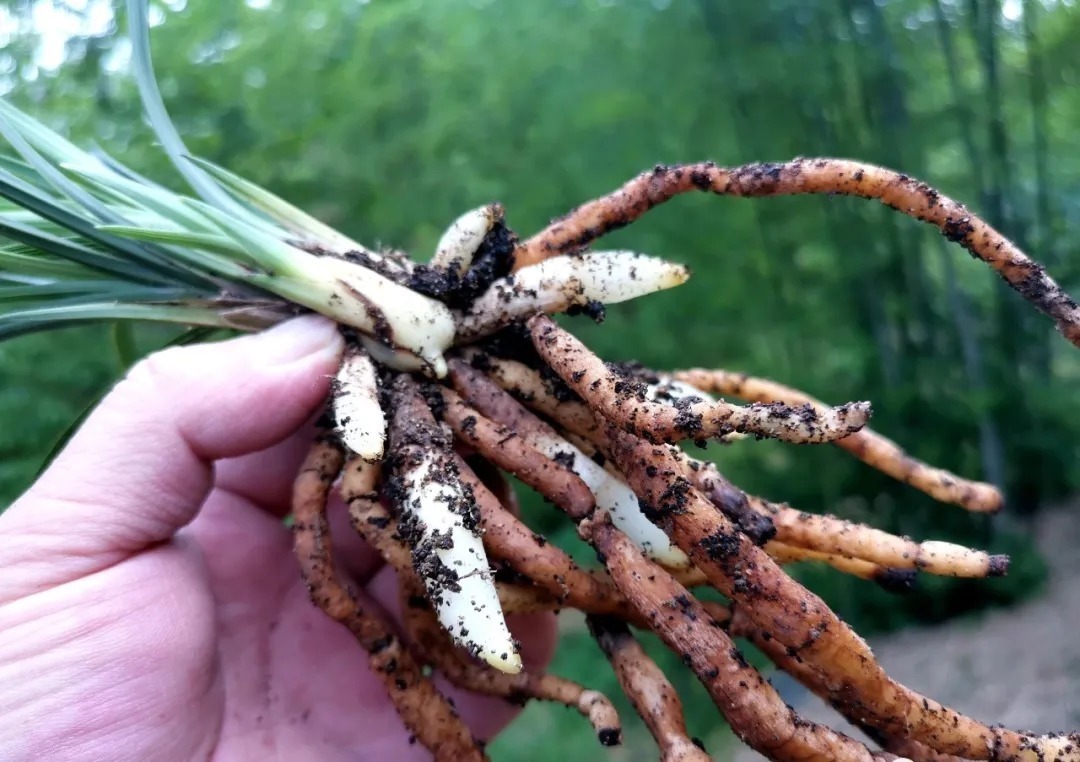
x=751, y=705
x=601, y=442
x=432, y=642
x=866, y=445
x=578, y=422
x=648, y=689
x=739, y=625
x=370, y=518
x=537, y=393
x=425, y=712
x=833, y=176
x=622, y=399
x=837, y=659
x=894, y=580
x=530, y=555
x=505, y=449
x=831, y=535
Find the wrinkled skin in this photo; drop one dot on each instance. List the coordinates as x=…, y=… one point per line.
x=150, y=606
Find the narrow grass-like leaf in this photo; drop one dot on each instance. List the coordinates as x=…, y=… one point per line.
x=289, y=216
x=7, y=278
x=50, y=291
x=21, y=170
x=29, y=261
x=33, y=221
x=9, y=129
x=217, y=242
x=123, y=336
x=70, y=293
x=202, y=249
x=42, y=318
x=59, y=150
x=162, y=202
x=154, y=105
x=143, y=268
x=11, y=212
x=123, y=170
x=61, y=247
x=46, y=140
x=264, y=248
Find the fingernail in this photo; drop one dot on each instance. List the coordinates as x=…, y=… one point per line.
x=298, y=339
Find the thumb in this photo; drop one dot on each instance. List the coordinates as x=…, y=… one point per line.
x=141, y=466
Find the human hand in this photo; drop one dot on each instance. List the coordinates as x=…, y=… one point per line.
x=150, y=605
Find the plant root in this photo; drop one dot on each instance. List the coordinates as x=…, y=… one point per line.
x=834, y=536
x=653, y=696
x=866, y=445
x=622, y=399
x=840, y=663
x=425, y=712
x=905, y=194
x=753, y=708
x=430, y=640
x=600, y=441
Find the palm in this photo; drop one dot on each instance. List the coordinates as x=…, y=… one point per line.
x=142, y=618
x=294, y=680
x=286, y=677
x=208, y=645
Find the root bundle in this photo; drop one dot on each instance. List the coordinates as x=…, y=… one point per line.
x=522, y=396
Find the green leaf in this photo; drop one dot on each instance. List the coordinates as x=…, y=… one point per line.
x=289, y=216
x=263, y=247
x=222, y=244
x=42, y=318
x=142, y=63
x=202, y=248
x=9, y=128
x=166, y=204
x=139, y=267
x=38, y=133
x=29, y=261
x=20, y=169
x=123, y=170
x=65, y=249
x=86, y=292
x=123, y=336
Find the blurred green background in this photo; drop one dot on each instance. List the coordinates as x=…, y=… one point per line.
x=387, y=118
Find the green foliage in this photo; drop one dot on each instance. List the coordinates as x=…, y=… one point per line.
x=49, y=380
x=385, y=120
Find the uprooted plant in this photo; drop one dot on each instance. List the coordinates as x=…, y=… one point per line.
x=454, y=374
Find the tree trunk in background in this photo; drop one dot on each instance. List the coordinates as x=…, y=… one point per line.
x=852, y=230
x=894, y=124
x=1023, y=342
x=887, y=116
x=1045, y=238
x=718, y=25
x=990, y=444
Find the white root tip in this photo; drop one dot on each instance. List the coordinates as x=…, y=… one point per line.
x=377, y=306
x=560, y=283
x=458, y=245
x=357, y=412
x=614, y=496
x=672, y=390
x=403, y=360
x=463, y=588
